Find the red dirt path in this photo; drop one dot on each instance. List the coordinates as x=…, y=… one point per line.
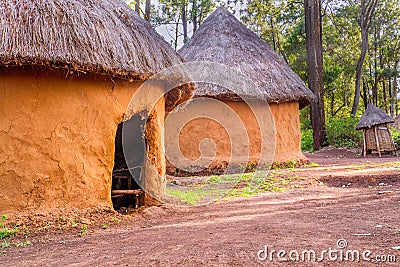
x=231, y=232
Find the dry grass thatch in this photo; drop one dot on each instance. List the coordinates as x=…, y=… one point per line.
x=224, y=39
x=373, y=116
x=396, y=123
x=105, y=37
x=101, y=37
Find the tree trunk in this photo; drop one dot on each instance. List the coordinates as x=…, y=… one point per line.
x=194, y=15
x=367, y=13
x=201, y=14
x=364, y=47
x=176, y=34
x=394, y=91
x=365, y=95
x=314, y=67
x=137, y=6
x=184, y=22
x=384, y=95
x=277, y=43
x=147, y=10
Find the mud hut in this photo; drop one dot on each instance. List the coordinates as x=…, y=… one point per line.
x=68, y=70
x=376, y=135
x=224, y=39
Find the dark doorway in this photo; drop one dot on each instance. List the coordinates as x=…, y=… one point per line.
x=126, y=193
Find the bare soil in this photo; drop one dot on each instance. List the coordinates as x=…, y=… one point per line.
x=345, y=197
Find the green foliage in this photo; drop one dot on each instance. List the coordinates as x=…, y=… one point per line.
x=274, y=184
x=307, y=140
x=3, y=219
x=289, y=164
x=115, y=220
x=251, y=167
x=231, y=185
x=5, y=231
x=190, y=197
x=341, y=132
x=281, y=24
x=5, y=244
x=170, y=14
x=214, y=179
x=83, y=230
x=23, y=244
x=396, y=137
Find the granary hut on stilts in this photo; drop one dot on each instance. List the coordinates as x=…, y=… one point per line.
x=68, y=70
x=376, y=135
x=223, y=39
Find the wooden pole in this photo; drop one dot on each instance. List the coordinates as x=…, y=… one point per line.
x=377, y=141
x=364, y=144
x=126, y=192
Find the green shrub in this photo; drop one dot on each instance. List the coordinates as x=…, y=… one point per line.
x=396, y=137
x=341, y=132
x=307, y=140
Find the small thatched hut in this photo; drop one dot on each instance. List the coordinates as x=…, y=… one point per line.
x=224, y=39
x=376, y=134
x=68, y=70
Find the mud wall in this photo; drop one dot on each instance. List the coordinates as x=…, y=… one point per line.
x=211, y=140
x=288, y=135
x=57, y=138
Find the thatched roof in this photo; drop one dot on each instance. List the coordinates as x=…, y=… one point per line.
x=224, y=39
x=373, y=116
x=101, y=37
x=396, y=123
x=105, y=37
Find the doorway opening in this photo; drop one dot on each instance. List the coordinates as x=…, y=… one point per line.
x=126, y=193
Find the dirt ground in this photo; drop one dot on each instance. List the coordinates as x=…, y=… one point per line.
x=347, y=203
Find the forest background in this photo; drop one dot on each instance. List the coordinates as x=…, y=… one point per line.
x=360, y=49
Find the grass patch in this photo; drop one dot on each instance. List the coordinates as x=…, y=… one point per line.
x=5, y=244
x=312, y=164
x=115, y=220
x=242, y=192
x=23, y=244
x=5, y=231
x=190, y=197
x=229, y=186
x=211, y=189
x=290, y=164
x=83, y=230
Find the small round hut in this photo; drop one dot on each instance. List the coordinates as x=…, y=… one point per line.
x=376, y=135
x=68, y=70
x=223, y=39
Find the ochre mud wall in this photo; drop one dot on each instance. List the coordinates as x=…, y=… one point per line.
x=288, y=135
x=57, y=138
x=217, y=153
x=214, y=133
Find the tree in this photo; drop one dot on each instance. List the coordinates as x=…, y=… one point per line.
x=366, y=15
x=147, y=10
x=182, y=16
x=273, y=21
x=136, y=4
x=184, y=7
x=312, y=9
